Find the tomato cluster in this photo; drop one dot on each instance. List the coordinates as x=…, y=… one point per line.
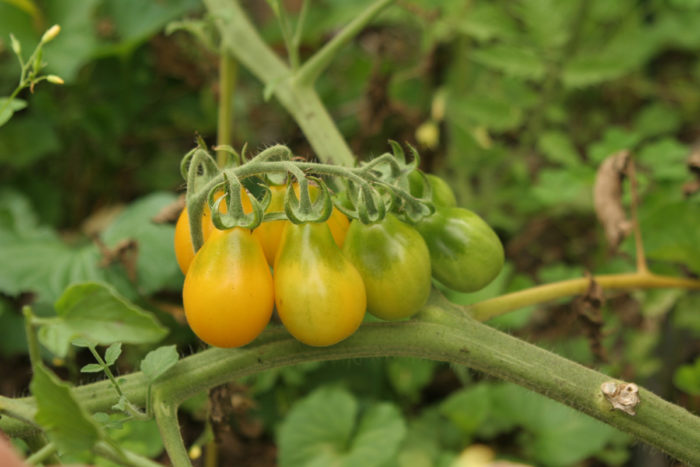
x=323, y=276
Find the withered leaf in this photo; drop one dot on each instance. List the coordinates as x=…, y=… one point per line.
x=126, y=253
x=607, y=198
x=170, y=212
x=588, y=308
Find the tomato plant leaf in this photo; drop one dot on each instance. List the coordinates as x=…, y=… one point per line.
x=322, y=430
x=64, y=419
x=155, y=265
x=91, y=368
x=7, y=109
x=112, y=353
x=687, y=378
x=158, y=361
x=98, y=313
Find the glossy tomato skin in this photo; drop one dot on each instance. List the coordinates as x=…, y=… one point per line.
x=442, y=193
x=465, y=253
x=184, y=251
x=228, y=293
x=319, y=294
x=269, y=233
x=394, y=263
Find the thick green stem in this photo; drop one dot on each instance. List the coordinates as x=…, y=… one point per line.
x=442, y=332
x=311, y=70
x=42, y=454
x=227, y=84
x=166, y=417
x=241, y=39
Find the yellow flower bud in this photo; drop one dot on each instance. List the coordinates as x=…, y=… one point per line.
x=50, y=33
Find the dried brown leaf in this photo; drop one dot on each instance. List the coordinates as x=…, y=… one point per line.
x=126, y=253
x=607, y=198
x=169, y=213
x=588, y=308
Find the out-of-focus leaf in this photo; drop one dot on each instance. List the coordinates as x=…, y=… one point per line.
x=467, y=408
x=671, y=233
x=516, y=61
x=657, y=119
x=321, y=430
x=558, y=148
x=566, y=187
x=667, y=159
x=686, y=314
x=494, y=113
x=77, y=42
x=64, y=419
x=562, y=436
x=687, y=378
x=6, y=110
x=614, y=140
x=13, y=339
x=156, y=265
x=24, y=141
x=96, y=312
x=486, y=21
x=409, y=376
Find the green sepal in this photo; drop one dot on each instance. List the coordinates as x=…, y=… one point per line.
x=228, y=149
x=235, y=215
x=302, y=210
x=371, y=206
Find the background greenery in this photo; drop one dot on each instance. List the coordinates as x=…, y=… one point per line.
x=515, y=103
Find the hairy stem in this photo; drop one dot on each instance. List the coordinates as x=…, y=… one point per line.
x=166, y=417
x=227, y=84
x=241, y=40
x=442, y=332
x=311, y=70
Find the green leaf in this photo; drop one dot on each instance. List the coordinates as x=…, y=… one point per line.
x=92, y=368
x=98, y=313
x=77, y=42
x=516, y=61
x=138, y=436
x=13, y=339
x=408, y=376
x=486, y=21
x=666, y=158
x=565, y=187
x=319, y=429
x=66, y=422
x=492, y=112
x=614, y=140
x=558, y=148
x=156, y=264
x=27, y=140
x=112, y=353
x=561, y=435
x=467, y=408
x=657, y=119
x=14, y=105
x=671, y=233
x=158, y=361
x=687, y=378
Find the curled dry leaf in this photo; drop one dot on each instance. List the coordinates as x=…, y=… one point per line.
x=588, y=308
x=125, y=252
x=170, y=212
x=607, y=197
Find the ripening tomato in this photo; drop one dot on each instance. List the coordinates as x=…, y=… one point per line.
x=394, y=263
x=184, y=250
x=465, y=252
x=228, y=293
x=442, y=193
x=319, y=294
x=269, y=233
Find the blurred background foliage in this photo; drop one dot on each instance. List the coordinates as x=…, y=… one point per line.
x=515, y=103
